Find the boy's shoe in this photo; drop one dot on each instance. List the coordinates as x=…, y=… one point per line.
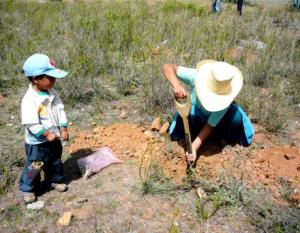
x=29, y=197
x=59, y=187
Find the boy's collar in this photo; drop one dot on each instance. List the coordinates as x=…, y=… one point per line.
x=42, y=95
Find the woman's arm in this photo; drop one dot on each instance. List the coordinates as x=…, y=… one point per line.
x=198, y=141
x=169, y=71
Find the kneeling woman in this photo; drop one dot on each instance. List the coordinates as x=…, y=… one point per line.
x=213, y=87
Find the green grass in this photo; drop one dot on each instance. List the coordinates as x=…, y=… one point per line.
x=156, y=182
x=257, y=203
x=11, y=216
x=107, y=45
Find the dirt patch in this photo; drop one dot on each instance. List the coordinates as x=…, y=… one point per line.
x=262, y=163
x=113, y=200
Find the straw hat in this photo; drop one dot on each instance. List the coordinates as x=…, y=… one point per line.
x=217, y=84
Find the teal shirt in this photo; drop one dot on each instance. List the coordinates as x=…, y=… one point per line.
x=188, y=76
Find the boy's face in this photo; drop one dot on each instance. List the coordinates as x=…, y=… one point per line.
x=44, y=82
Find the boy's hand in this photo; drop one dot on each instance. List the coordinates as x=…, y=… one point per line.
x=64, y=134
x=51, y=137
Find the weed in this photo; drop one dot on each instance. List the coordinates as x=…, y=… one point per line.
x=257, y=203
x=154, y=181
x=113, y=204
x=97, y=183
x=11, y=216
x=207, y=207
x=173, y=6
x=269, y=217
x=174, y=228
x=158, y=183
x=286, y=191
x=32, y=214
x=294, y=5
x=50, y=216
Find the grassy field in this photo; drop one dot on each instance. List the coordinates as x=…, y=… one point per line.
x=109, y=49
x=115, y=50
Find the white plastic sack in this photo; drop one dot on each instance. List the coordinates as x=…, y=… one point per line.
x=96, y=161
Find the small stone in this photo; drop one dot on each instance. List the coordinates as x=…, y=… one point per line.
x=163, y=130
x=266, y=182
x=295, y=197
x=201, y=193
x=151, y=134
x=38, y=205
x=256, y=165
x=155, y=51
x=82, y=213
x=123, y=115
x=277, y=194
x=261, y=160
x=82, y=200
x=155, y=126
x=264, y=91
x=2, y=97
x=288, y=157
x=148, y=214
x=125, y=106
x=69, y=203
x=96, y=130
x=65, y=220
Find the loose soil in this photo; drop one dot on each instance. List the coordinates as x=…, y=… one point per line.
x=262, y=163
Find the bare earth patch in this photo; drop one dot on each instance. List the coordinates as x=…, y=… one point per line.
x=262, y=163
x=113, y=200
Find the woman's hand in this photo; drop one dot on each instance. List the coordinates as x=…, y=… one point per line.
x=179, y=91
x=64, y=134
x=195, y=146
x=191, y=157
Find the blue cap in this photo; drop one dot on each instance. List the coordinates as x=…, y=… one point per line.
x=39, y=64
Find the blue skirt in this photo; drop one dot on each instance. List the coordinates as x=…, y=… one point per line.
x=234, y=127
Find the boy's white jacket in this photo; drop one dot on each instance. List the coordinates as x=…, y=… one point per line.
x=42, y=111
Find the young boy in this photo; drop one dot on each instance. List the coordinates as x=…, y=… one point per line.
x=45, y=124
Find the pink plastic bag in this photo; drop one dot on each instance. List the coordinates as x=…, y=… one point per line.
x=96, y=161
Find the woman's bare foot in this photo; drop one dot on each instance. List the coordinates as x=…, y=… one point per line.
x=227, y=149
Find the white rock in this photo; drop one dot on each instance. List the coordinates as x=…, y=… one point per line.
x=38, y=205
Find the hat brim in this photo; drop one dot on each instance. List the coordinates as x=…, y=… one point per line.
x=211, y=101
x=56, y=73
